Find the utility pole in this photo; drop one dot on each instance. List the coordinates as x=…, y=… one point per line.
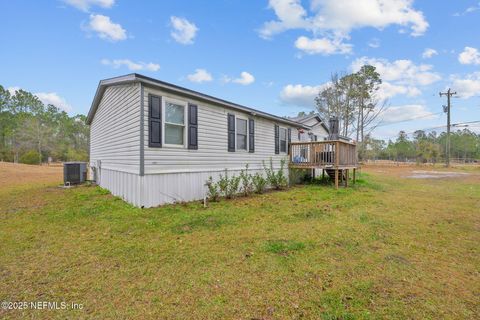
x=446, y=109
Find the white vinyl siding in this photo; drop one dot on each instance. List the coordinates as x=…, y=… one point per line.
x=115, y=129
x=173, y=173
x=212, y=153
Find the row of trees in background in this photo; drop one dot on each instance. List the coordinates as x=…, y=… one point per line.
x=423, y=147
x=31, y=132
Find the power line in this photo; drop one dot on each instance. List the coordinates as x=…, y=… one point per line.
x=406, y=120
x=468, y=122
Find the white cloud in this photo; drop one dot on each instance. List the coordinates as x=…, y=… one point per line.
x=467, y=86
x=323, y=46
x=290, y=14
x=469, y=55
x=374, y=43
x=300, y=95
x=468, y=10
x=388, y=90
x=345, y=15
x=47, y=98
x=401, y=71
x=200, y=75
x=244, y=79
x=183, y=31
x=428, y=53
x=85, y=5
x=400, y=77
x=335, y=19
x=105, y=28
x=55, y=99
x=406, y=112
x=134, y=66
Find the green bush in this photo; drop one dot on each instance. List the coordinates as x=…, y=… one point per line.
x=30, y=157
x=223, y=183
x=259, y=183
x=276, y=179
x=213, y=192
x=233, y=185
x=228, y=186
x=246, y=180
x=246, y=183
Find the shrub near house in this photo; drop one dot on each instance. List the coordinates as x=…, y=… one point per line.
x=246, y=183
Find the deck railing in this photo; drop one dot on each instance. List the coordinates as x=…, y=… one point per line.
x=323, y=154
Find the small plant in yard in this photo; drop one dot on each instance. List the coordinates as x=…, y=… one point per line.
x=246, y=180
x=247, y=183
x=276, y=179
x=232, y=188
x=228, y=186
x=259, y=183
x=223, y=183
x=213, y=192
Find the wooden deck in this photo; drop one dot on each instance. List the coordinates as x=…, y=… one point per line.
x=335, y=157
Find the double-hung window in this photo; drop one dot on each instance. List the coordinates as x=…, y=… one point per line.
x=283, y=140
x=242, y=134
x=174, y=123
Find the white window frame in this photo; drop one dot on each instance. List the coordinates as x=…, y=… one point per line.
x=248, y=130
x=280, y=140
x=183, y=103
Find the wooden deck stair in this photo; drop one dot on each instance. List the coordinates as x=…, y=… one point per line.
x=331, y=174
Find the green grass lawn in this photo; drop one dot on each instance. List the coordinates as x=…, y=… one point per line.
x=389, y=247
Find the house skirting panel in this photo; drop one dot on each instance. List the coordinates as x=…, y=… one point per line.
x=152, y=190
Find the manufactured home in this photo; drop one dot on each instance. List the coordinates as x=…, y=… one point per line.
x=152, y=142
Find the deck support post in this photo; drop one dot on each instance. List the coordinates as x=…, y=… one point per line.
x=336, y=178
x=346, y=177
x=354, y=174
x=323, y=174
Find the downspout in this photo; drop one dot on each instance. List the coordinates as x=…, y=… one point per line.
x=142, y=145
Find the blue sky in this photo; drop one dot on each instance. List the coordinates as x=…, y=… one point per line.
x=270, y=55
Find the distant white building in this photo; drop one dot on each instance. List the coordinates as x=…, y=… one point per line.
x=153, y=142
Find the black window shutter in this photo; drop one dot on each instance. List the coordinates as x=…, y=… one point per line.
x=251, y=135
x=231, y=132
x=192, y=126
x=154, y=121
x=277, y=141
x=315, y=138
x=289, y=139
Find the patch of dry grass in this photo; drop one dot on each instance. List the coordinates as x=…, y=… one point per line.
x=390, y=247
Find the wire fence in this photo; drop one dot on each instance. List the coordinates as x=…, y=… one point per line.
x=414, y=162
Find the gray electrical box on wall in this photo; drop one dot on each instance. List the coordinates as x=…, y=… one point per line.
x=74, y=172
